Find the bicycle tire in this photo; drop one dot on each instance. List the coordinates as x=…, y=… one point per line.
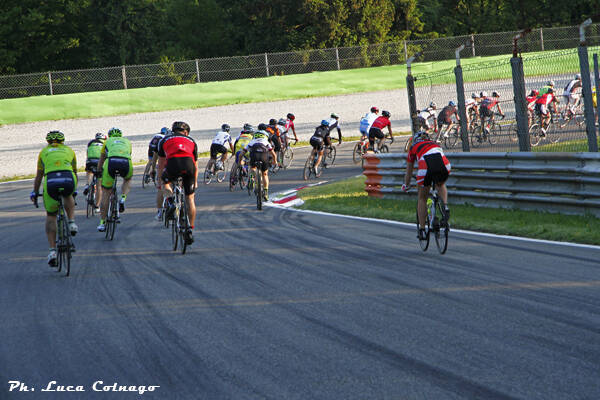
x=109, y=216
x=384, y=149
x=258, y=190
x=91, y=204
x=60, y=233
x=243, y=180
x=307, y=168
x=233, y=175
x=407, y=144
x=452, y=138
x=220, y=174
x=331, y=153
x=534, y=135
x=423, y=243
x=144, y=181
x=494, y=134
x=113, y=225
x=552, y=133
x=513, y=132
x=357, y=153
x=288, y=157
x=183, y=225
x=207, y=174
x=175, y=229
x=441, y=234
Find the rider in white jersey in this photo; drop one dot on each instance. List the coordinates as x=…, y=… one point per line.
x=218, y=147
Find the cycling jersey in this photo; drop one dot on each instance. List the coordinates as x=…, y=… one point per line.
x=433, y=166
x=546, y=99
x=531, y=102
x=59, y=164
x=222, y=138
x=366, y=122
x=117, y=147
x=427, y=114
x=289, y=124
x=544, y=90
x=94, y=149
x=572, y=87
x=242, y=141
x=381, y=122
x=470, y=103
x=178, y=145
x=263, y=140
x=153, y=145
x=57, y=157
x=489, y=102
x=321, y=131
x=445, y=116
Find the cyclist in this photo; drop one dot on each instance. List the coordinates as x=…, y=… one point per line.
x=542, y=108
x=152, y=149
x=531, y=100
x=57, y=165
x=317, y=141
x=425, y=115
x=94, y=149
x=544, y=89
x=377, y=127
x=218, y=147
x=432, y=167
x=177, y=156
x=117, y=154
x=242, y=140
x=367, y=121
x=472, y=108
x=260, y=148
x=289, y=124
x=486, y=109
x=274, y=133
x=444, y=119
x=572, y=94
x=334, y=123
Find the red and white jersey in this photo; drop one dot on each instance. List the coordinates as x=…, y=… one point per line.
x=418, y=152
x=545, y=99
x=177, y=145
x=381, y=122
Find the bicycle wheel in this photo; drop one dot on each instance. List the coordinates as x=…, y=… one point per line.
x=233, y=176
x=307, y=168
x=535, y=135
x=220, y=174
x=331, y=153
x=110, y=219
x=495, y=133
x=357, y=153
x=452, y=138
x=384, y=149
x=183, y=225
x=91, y=203
x=407, y=144
x=424, y=243
x=513, y=132
x=443, y=228
x=258, y=190
x=243, y=177
x=175, y=227
x=552, y=133
x=288, y=156
x=250, y=185
x=207, y=174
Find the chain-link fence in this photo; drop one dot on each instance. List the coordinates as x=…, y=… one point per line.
x=285, y=63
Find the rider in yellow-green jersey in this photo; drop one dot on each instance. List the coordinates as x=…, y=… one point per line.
x=94, y=150
x=58, y=165
x=117, y=154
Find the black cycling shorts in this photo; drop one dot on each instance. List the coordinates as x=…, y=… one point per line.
x=120, y=165
x=274, y=139
x=91, y=165
x=184, y=167
x=317, y=143
x=216, y=149
x=258, y=154
x=375, y=133
x=151, y=151
x=60, y=180
x=485, y=112
x=436, y=170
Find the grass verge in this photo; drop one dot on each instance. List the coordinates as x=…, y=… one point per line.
x=349, y=197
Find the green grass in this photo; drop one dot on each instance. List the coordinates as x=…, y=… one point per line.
x=349, y=197
x=570, y=146
x=120, y=102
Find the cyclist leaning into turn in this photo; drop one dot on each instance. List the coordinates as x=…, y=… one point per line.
x=117, y=154
x=289, y=124
x=94, y=150
x=432, y=166
x=242, y=140
x=486, y=109
x=177, y=156
x=57, y=166
x=376, y=131
x=260, y=148
x=445, y=121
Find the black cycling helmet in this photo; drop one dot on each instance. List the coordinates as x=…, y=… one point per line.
x=225, y=127
x=334, y=115
x=495, y=94
x=273, y=121
x=386, y=113
x=247, y=127
x=180, y=126
x=262, y=127
x=291, y=116
x=281, y=122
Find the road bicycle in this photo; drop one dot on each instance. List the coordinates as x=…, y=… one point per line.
x=550, y=133
x=481, y=133
x=237, y=175
x=147, y=177
x=212, y=173
x=572, y=116
x=449, y=135
x=436, y=222
x=310, y=167
x=181, y=224
x=255, y=184
x=64, y=240
x=91, y=196
x=112, y=216
x=284, y=158
x=360, y=149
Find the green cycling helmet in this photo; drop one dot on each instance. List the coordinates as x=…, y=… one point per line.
x=55, y=136
x=260, y=135
x=115, y=132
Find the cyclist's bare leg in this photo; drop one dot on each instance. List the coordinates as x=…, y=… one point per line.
x=104, y=205
x=89, y=176
x=422, y=205
x=320, y=157
x=126, y=187
x=159, y=199
x=265, y=175
x=148, y=166
x=442, y=192
x=191, y=206
x=51, y=230
x=69, y=203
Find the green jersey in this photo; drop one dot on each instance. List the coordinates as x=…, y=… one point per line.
x=94, y=149
x=543, y=91
x=57, y=157
x=117, y=147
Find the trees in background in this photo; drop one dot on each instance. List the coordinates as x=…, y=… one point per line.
x=67, y=34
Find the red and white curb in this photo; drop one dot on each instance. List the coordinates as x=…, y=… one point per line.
x=289, y=198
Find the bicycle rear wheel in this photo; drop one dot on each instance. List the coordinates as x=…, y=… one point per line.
x=424, y=243
x=307, y=168
x=442, y=230
x=452, y=138
x=357, y=153
x=243, y=177
x=495, y=133
x=207, y=174
x=220, y=174
x=91, y=202
x=258, y=191
x=535, y=135
x=331, y=153
x=183, y=225
x=233, y=177
x=384, y=149
x=175, y=228
x=552, y=133
x=288, y=156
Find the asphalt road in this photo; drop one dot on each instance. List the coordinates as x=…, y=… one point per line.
x=277, y=304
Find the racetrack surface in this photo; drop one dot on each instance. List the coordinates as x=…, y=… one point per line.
x=277, y=304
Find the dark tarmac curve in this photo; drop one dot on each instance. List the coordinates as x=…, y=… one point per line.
x=284, y=305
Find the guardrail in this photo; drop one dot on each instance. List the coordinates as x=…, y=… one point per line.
x=553, y=182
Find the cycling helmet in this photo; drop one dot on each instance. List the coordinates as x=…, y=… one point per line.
x=247, y=127
x=164, y=131
x=578, y=77
x=483, y=94
x=281, y=122
x=101, y=136
x=262, y=127
x=55, y=136
x=534, y=93
x=291, y=116
x=550, y=83
x=260, y=134
x=550, y=90
x=474, y=96
x=225, y=127
x=452, y=103
x=334, y=115
x=495, y=94
x=272, y=121
x=374, y=109
x=387, y=113
x=420, y=136
x=433, y=105
x=180, y=126
x=324, y=123
x=115, y=132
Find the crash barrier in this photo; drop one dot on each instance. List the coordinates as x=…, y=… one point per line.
x=552, y=182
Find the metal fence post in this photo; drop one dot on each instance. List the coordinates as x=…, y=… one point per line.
x=267, y=64
x=197, y=71
x=542, y=38
x=412, y=99
x=473, y=44
x=50, y=82
x=460, y=96
x=597, y=79
x=337, y=58
x=124, y=77
x=518, y=77
x=405, y=51
x=584, y=66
